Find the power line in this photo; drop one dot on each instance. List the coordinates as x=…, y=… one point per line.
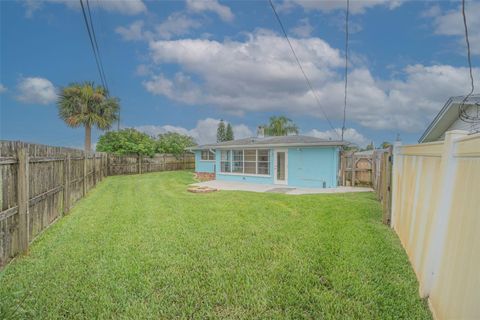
x=93, y=46
x=464, y=116
x=301, y=68
x=100, y=58
x=96, y=45
x=346, y=68
x=96, y=50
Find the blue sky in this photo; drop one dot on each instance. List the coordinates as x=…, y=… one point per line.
x=182, y=66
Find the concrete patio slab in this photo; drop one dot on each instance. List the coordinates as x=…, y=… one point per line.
x=244, y=186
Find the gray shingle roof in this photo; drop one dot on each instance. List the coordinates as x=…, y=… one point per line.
x=280, y=141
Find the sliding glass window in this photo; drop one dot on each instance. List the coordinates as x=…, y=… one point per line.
x=263, y=162
x=237, y=166
x=225, y=161
x=249, y=161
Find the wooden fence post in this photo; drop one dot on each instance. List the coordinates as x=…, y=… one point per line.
x=139, y=160
x=94, y=169
x=387, y=199
x=22, y=199
x=354, y=168
x=373, y=175
x=85, y=174
x=66, y=184
x=108, y=164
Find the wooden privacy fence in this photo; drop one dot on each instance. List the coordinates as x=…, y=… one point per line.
x=373, y=169
x=436, y=214
x=41, y=183
x=121, y=164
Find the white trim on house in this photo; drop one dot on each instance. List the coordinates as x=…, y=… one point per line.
x=275, y=168
x=244, y=174
x=231, y=161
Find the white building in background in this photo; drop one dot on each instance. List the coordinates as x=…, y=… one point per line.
x=448, y=118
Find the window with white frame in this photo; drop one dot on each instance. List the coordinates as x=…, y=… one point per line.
x=237, y=161
x=263, y=162
x=248, y=161
x=225, y=161
x=207, y=155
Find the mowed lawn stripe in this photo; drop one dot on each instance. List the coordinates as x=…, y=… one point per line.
x=142, y=247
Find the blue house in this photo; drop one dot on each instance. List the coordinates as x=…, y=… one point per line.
x=297, y=161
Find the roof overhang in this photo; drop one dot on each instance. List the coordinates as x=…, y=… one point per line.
x=269, y=145
x=445, y=118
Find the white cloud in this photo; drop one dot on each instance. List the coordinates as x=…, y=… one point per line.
x=350, y=135
x=2, y=88
x=176, y=24
x=261, y=75
x=432, y=11
x=450, y=23
x=303, y=29
x=127, y=7
x=223, y=11
x=36, y=90
x=204, y=132
x=143, y=70
x=134, y=32
x=356, y=7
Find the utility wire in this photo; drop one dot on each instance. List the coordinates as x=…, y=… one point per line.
x=346, y=68
x=91, y=42
x=101, y=62
x=96, y=46
x=301, y=68
x=464, y=116
x=96, y=50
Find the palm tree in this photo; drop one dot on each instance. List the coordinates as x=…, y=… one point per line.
x=280, y=126
x=84, y=104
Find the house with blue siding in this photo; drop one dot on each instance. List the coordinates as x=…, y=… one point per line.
x=296, y=161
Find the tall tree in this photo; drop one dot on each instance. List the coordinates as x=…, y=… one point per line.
x=280, y=126
x=87, y=105
x=229, y=133
x=221, y=131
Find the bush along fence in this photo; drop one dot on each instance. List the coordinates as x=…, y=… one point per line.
x=372, y=168
x=39, y=184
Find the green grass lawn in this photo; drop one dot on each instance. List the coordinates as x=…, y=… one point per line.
x=142, y=247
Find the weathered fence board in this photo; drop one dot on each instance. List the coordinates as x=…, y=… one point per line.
x=41, y=183
x=133, y=164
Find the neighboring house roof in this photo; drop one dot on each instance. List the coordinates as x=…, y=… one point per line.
x=277, y=141
x=446, y=118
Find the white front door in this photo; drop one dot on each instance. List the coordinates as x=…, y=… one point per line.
x=281, y=166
